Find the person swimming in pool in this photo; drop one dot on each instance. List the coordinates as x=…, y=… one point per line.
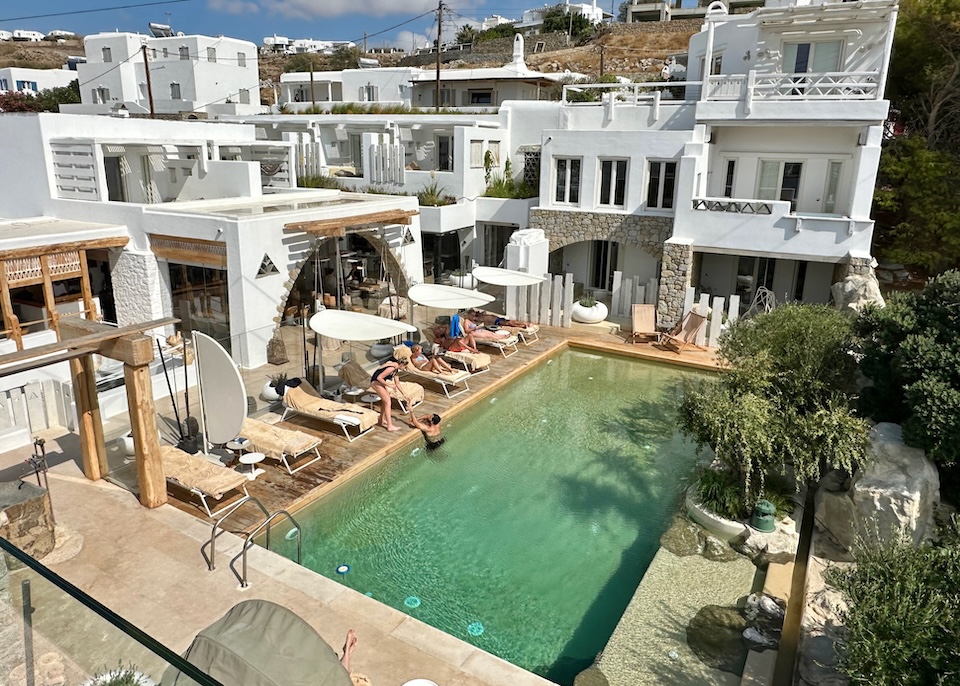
x=429, y=426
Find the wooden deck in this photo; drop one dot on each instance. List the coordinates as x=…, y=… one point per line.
x=342, y=460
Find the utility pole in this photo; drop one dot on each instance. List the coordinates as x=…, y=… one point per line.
x=146, y=68
x=313, y=94
x=364, y=42
x=570, y=26
x=601, y=60
x=439, y=33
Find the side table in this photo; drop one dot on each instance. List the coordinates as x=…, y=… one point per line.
x=253, y=459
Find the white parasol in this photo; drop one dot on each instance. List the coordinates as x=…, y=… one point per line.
x=506, y=277
x=447, y=297
x=356, y=326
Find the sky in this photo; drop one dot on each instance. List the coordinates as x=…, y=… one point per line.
x=254, y=19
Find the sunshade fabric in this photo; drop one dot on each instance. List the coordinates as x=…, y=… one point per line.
x=356, y=326
x=224, y=395
x=506, y=277
x=259, y=643
x=449, y=297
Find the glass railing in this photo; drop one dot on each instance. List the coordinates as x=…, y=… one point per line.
x=53, y=634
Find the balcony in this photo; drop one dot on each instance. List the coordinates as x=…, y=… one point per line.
x=839, y=95
x=768, y=227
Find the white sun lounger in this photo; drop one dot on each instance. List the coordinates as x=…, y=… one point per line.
x=283, y=445
x=455, y=379
x=200, y=477
x=503, y=344
x=353, y=420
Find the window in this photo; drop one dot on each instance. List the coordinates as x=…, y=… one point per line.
x=481, y=97
x=166, y=53
x=568, y=180
x=780, y=181
x=444, y=153
x=476, y=154
x=175, y=91
x=211, y=54
x=613, y=182
x=662, y=185
x=100, y=95
x=27, y=86
x=833, y=184
x=244, y=96
x=369, y=93
x=241, y=59
x=184, y=52
x=107, y=54
x=4, y=85
x=728, y=178
x=446, y=96
x=604, y=263
x=803, y=58
x=153, y=53
x=493, y=147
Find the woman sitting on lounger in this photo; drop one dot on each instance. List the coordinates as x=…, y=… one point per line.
x=428, y=363
x=464, y=344
x=384, y=378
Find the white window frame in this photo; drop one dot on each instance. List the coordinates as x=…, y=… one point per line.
x=781, y=165
x=830, y=202
x=658, y=207
x=567, y=186
x=211, y=54
x=3, y=85
x=184, y=52
x=241, y=59
x=725, y=173
x=614, y=181
x=789, y=69
x=101, y=95
x=493, y=147
x=369, y=93
x=476, y=154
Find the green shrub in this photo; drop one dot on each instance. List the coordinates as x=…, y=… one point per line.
x=319, y=181
x=720, y=492
x=903, y=617
x=432, y=195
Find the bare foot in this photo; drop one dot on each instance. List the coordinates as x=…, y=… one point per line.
x=348, y=645
x=394, y=428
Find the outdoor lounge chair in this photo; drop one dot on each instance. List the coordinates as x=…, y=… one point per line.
x=454, y=379
x=644, y=322
x=529, y=334
x=352, y=419
x=283, y=445
x=475, y=363
x=503, y=343
x=354, y=375
x=685, y=333
x=200, y=477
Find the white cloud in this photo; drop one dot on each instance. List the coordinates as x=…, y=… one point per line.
x=234, y=6
x=409, y=40
x=307, y=9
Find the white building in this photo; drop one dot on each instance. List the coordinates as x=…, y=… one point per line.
x=27, y=36
x=34, y=80
x=57, y=34
x=532, y=19
x=284, y=45
x=188, y=74
x=495, y=21
x=6, y=35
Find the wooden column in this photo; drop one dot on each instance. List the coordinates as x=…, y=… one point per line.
x=92, y=446
x=49, y=300
x=85, y=289
x=10, y=321
x=143, y=420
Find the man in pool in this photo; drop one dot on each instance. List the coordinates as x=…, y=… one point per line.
x=429, y=426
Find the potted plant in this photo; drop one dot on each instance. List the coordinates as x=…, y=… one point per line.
x=462, y=278
x=382, y=348
x=121, y=676
x=273, y=389
x=588, y=310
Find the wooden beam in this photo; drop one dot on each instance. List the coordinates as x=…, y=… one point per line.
x=92, y=447
x=10, y=322
x=16, y=253
x=42, y=355
x=85, y=289
x=324, y=226
x=143, y=425
x=49, y=300
x=131, y=348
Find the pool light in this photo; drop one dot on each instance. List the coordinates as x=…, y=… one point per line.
x=292, y=534
x=343, y=569
x=413, y=602
x=475, y=629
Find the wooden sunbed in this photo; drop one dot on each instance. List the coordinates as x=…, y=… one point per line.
x=351, y=419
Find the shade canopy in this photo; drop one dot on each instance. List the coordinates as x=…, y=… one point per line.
x=356, y=326
x=448, y=297
x=506, y=277
x=222, y=390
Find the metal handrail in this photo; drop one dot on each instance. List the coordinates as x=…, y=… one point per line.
x=213, y=531
x=248, y=543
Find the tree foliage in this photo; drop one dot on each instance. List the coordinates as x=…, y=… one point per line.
x=622, y=11
x=903, y=620
x=562, y=19
x=784, y=397
x=48, y=100
x=911, y=352
x=500, y=31
x=467, y=34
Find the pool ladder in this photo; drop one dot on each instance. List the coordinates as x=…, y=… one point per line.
x=248, y=538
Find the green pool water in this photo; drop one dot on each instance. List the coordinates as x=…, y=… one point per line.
x=535, y=521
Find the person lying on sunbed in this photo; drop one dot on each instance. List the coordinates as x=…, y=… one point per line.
x=480, y=332
x=490, y=319
x=428, y=362
x=462, y=344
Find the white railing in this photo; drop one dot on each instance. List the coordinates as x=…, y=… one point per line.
x=850, y=85
x=629, y=93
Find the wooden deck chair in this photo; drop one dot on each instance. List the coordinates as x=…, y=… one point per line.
x=685, y=333
x=644, y=322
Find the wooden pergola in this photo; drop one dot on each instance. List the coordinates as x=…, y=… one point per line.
x=337, y=226
x=80, y=340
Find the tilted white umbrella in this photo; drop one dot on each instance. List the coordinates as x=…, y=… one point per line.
x=356, y=326
x=448, y=297
x=506, y=277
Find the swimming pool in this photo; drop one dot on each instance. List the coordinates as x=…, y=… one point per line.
x=528, y=532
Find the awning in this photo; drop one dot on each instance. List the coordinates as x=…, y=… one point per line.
x=356, y=326
x=447, y=297
x=506, y=277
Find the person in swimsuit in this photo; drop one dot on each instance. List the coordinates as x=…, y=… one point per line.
x=385, y=377
x=429, y=425
x=467, y=344
x=430, y=363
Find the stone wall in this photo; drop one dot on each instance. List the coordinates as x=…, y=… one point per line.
x=26, y=517
x=496, y=50
x=675, y=274
x=139, y=287
x=564, y=228
x=675, y=26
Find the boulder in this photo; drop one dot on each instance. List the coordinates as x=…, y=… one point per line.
x=898, y=490
x=757, y=640
x=715, y=635
x=856, y=291
x=778, y=546
x=685, y=538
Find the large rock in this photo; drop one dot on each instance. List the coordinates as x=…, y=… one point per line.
x=715, y=635
x=856, y=291
x=898, y=490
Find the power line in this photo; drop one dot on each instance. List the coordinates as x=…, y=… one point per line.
x=90, y=11
x=397, y=26
x=116, y=66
